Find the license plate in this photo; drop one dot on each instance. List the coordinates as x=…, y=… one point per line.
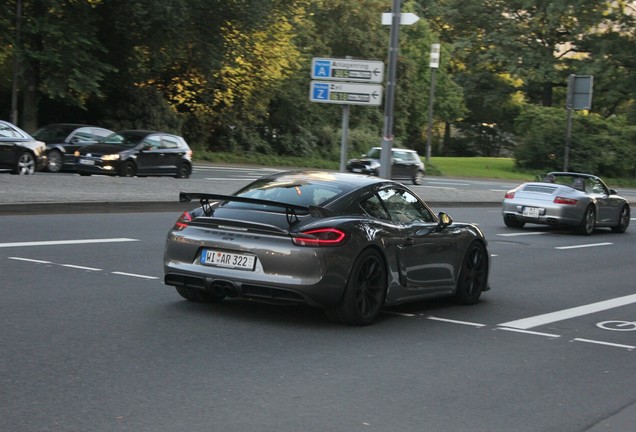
x=356, y=170
x=87, y=162
x=532, y=212
x=227, y=259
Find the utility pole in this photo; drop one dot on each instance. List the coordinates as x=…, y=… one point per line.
x=16, y=64
x=387, y=134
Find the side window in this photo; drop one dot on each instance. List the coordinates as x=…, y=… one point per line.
x=169, y=142
x=7, y=132
x=373, y=207
x=595, y=186
x=152, y=142
x=404, y=207
x=83, y=134
x=101, y=133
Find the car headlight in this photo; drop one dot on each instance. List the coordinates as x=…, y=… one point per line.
x=110, y=157
x=374, y=164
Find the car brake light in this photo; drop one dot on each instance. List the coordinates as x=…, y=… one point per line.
x=320, y=237
x=564, y=200
x=509, y=195
x=183, y=220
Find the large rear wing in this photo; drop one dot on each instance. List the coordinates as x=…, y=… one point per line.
x=207, y=201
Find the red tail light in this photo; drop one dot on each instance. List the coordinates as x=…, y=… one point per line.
x=509, y=195
x=320, y=237
x=564, y=200
x=183, y=220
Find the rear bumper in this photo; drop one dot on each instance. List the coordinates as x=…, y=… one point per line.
x=549, y=213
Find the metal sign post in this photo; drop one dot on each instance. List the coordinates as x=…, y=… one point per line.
x=387, y=134
x=579, y=97
x=349, y=82
x=434, y=65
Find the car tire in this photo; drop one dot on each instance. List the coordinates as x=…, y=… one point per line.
x=183, y=170
x=55, y=161
x=365, y=291
x=25, y=164
x=127, y=169
x=473, y=276
x=623, y=220
x=199, y=295
x=513, y=223
x=588, y=222
x=418, y=178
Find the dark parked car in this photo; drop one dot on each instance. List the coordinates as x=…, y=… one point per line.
x=136, y=152
x=19, y=151
x=347, y=243
x=405, y=164
x=63, y=139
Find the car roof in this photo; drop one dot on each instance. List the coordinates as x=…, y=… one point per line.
x=397, y=148
x=345, y=181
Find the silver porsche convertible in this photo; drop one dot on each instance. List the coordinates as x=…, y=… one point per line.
x=346, y=243
x=580, y=201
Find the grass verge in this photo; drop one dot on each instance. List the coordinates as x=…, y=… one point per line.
x=477, y=167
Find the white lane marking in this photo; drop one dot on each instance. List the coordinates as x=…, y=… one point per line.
x=583, y=246
x=78, y=267
x=498, y=190
x=561, y=315
x=408, y=315
x=134, y=275
x=466, y=323
x=30, y=260
x=629, y=347
x=521, y=234
x=66, y=242
x=550, y=335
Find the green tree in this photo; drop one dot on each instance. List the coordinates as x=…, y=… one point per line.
x=59, y=54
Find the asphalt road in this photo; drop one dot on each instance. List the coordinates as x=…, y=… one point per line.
x=93, y=341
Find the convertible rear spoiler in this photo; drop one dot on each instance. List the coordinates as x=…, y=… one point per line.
x=291, y=210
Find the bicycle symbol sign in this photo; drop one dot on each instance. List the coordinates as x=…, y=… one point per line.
x=617, y=325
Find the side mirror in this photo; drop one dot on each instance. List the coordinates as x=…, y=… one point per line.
x=444, y=220
x=613, y=192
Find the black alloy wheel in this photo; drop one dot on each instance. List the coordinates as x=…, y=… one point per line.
x=55, y=161
x=127, y=169
x=183, y=170
x=623, y=220
x=473, y=276
x=513, y=223
x=365, y=291
x=588, y=222
x=418, y=178
x=25, y=164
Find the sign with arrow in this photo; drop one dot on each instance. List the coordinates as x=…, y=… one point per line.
x=407, y=18
x=347, y=70
x=345, y=93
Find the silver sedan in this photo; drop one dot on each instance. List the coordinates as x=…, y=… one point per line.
x=579, y=201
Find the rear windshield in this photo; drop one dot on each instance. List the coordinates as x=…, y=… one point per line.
x=291, y=190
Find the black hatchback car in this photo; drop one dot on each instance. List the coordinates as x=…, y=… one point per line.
x=63, y=139
x=136, y=152
x=405, y=164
